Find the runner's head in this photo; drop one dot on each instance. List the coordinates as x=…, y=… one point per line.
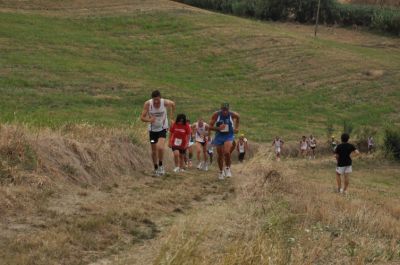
x=225, y=108
x=200, y=122
x=304, y=138
x=241, y=137
x=156, y=96
x=181, y=119
x=345, y=137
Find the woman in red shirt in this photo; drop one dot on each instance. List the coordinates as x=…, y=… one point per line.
x=179, y=140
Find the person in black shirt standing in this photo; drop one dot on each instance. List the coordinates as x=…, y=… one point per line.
x=343, y=152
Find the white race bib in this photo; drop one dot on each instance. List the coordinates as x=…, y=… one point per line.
x=178, y=142
x=225, y=129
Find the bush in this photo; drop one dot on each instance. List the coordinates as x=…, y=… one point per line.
x=392, y=143
x=304, y=11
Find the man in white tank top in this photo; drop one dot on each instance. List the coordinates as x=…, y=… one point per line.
x=200, y=128
x=155, y=113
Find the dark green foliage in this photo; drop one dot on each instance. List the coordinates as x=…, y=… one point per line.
x=392, y=142
x=304, y=11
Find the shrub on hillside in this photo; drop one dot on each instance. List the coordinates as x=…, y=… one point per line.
x=304, y=11
x=392, y=143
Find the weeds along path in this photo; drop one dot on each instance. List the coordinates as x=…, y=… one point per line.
x=281, y=213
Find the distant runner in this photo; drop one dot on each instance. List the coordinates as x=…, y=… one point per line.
x=371, y=144
x=200, y=129
x=344, y=162
x=333, y=143
x=225, y=123
x=189, y=153
x=210, y=150
x=312, y=142
x=303, y=146
x=179, y=140
x=155, y=113
x=242, y=147
x=278, y=145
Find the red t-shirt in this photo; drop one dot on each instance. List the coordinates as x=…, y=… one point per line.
x=179, y=135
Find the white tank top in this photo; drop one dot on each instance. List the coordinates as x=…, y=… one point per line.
x=201, y=132
x=304, y=145
x=241, y=147
x=161, y=122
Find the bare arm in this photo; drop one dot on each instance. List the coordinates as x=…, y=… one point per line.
x=236, y=120
x=172, y=107
x=144, y=117
x=212, y=123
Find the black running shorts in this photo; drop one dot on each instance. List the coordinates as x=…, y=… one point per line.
x=154, y=136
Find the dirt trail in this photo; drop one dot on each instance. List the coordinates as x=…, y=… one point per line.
x=146, y=252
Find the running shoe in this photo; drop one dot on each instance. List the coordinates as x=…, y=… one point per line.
x=205, y=166
x=228, y=172
x=182, y=170
x=155, y=173
x=221, y=175
x=161, y=171
x=176, y=170
x=200, y=165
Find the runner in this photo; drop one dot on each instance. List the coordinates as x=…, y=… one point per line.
x=210, y=149
x=242, y=147
x=200, y=129
x=333, y=143
x=371, y=144
x=278, y=144
x=344, y=167
x=225, y=123
x=189, y=153
x=303, y=146
x=312, y=142
x=155, y=113
x=179, y=140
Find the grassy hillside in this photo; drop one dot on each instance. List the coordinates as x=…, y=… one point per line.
x=59, y=67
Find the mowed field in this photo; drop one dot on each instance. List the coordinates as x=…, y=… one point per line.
x=97, y=62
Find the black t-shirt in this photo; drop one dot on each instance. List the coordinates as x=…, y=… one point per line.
x=344, y=150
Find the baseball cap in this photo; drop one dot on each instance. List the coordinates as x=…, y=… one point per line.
x=225, y=105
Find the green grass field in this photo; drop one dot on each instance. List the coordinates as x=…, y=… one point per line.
x=57, y=69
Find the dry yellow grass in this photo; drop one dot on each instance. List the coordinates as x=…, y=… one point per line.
x=82, y=193
x=281, y=215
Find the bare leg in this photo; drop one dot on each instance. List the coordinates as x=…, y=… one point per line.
x=346, y=182
x=198, y=151
x=160, y=148
x=154, y=154
x=227, y=153
x=338, y=181
x=205, y=153
x=176, y=158
x=181, y=160
x=220, y=152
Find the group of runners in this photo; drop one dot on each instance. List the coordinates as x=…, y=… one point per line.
x=184, y=135
x=224, y=124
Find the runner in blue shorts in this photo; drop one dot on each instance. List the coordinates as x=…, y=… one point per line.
x=225, y=123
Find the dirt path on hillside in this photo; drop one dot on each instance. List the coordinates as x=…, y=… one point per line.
x=199, y=212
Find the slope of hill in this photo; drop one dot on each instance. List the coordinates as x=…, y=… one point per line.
x=97, y=62
x=80, y=191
